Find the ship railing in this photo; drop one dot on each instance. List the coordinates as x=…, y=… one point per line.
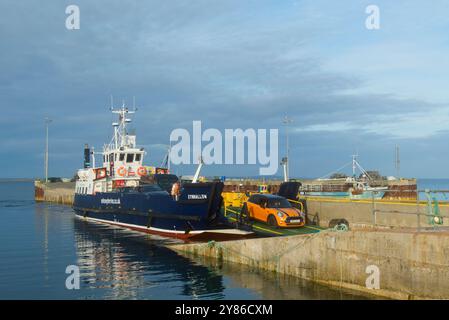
x=431, y=208
x=301, y=205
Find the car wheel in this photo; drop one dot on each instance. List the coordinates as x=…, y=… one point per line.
x=272, y=221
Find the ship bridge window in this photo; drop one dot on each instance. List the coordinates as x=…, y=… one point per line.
x=130, y=157
x=138, y=156
x=122, y=156
x=111, y=157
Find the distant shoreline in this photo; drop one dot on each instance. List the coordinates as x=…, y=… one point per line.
x=17, y=179
x=227, y=178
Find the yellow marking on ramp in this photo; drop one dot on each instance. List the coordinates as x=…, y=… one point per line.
x=268, y=230
x=313, y=228
x=260, y=228
x=421, y=203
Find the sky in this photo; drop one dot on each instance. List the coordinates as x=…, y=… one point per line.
x=230, y=64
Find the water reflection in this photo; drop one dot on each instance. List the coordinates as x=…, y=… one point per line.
x=271, y=286
x=282, y=287
x=131, y=265
x=128, y=262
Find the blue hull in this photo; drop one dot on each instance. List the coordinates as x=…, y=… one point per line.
x=196, y=212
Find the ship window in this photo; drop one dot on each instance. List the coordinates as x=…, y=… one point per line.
x=129, y=157
x=122, y=156
x=138, y=156
x=111, y=157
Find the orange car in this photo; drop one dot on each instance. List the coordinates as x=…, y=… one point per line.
x=274, y=210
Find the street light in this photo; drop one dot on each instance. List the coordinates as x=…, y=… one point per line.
x=287, y=121
x=47, y=122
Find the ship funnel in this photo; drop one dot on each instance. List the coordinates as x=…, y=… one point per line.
x=86, y=156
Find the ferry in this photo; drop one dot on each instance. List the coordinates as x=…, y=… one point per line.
x=122, y=191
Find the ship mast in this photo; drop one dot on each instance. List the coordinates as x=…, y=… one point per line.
x=398, y=162
x=119, y=140
x=355, y=165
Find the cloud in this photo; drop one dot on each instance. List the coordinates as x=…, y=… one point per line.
x=230, y=64
x=415, y=125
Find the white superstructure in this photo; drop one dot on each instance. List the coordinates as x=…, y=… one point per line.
x=122, y=161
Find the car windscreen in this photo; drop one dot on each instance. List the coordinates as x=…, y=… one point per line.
x=254, y=199
x=279, y=203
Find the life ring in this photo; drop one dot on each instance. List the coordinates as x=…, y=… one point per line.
x=142, y=171
x=121, y=171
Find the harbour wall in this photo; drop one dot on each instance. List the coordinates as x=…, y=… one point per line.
x=378, y=213
x=411, y=265
x=55, y=192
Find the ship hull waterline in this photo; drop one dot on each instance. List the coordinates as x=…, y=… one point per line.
x=196, y=235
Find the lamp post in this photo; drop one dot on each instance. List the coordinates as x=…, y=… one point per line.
x=398, y=163
x=287, y=122
x=47, y=122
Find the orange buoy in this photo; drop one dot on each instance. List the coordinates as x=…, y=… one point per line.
x=121, y=171
x=142, y=171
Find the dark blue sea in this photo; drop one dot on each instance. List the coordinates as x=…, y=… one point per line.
x=434, y=185
x=38, y=241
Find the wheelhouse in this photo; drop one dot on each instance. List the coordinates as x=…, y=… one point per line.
x=122, y=162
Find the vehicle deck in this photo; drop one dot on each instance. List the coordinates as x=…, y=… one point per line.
x=263, y=229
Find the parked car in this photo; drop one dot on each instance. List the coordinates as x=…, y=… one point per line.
x=273, y=210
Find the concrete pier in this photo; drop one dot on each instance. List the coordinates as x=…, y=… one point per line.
x=380, y=213
x=411, y=265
